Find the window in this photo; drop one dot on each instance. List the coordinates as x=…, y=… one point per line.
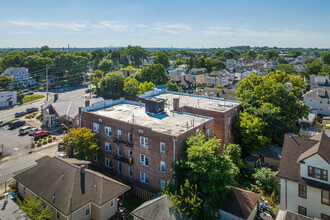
x=208, y=133
x=107, y=147
x=325, y=197
x=162, y=166
x=318, y=173
x=95, y=157
x=96, y=127
x=119, y=167
x=87, y=210
x=162, y=147
x=302, y=191
x=162, y=184
x=325, y=217
x=144, y=177
x=119, y=152
x=119, y=135
x=228, y=134
x=107, y=131
x=130, y=138
x=302, y=210
x=229, y=120
x=144, y=160
x=140, y=131
x=144, y=142
x=130, y=171
x=130, y=154
x=57, y=215
x=107, y=162
x=111, y=203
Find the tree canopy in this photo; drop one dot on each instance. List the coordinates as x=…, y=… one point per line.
x=154, y=73
x=111, y=85
x=162, y=58
x=34, y=208
x=5, y=81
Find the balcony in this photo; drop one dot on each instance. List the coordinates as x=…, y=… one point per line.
x=120, y=141
x=123, y=159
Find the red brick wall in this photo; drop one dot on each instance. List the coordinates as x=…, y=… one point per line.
x=152, y=153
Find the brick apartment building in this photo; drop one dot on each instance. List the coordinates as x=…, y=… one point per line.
x=223, y=111
x=141, y=141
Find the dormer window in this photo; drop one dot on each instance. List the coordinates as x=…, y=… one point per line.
x=318, y=173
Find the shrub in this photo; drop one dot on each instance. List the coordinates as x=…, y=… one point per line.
x=49, y=140
x=266, y=180
x=49, y=136
x=39, y=144
x=33, y=145
x=44, y=142
x=13, y=185
x=54, y=138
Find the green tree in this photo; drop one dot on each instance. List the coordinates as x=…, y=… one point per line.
x=82, y=140
x=325, y=57
x=219, y=87
x=281, y=60
x=131, y=87
x=5, y=81
x=136, y=55
x=219, y=65
x=145, y=87
x=105, y=65
x=233, y=152
x=96, y=76
x=44, y=48
x=271, y=54
x=229, y=55
x=252, y=54
x=260, y=56
x=213, y=173
x=115, y=57
x=124, y=60
x=173, y=87
x=315, y=67
x=34, y=208
x=266, y=180
x=287, y=68
x=178, y=62
x=162, y=58
x=154, y=73
x=111, y=85
x=20, y=96
x=97, y=56
x=185, y=201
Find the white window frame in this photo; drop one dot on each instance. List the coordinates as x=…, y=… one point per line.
x=144, y=160
x=140, y=131
x=58, y=217
x=130, y=170
x=119, y=153
x=162, y=151
x=107, y=162
x=208, y=133
x=229, y=120
x=109, y=131
x=162, y=184
x=130, y=154
x=229, y=134
x=144, y=142
x=162, y=164
x=119, y=134
x=144, y=177
x=111, y=203
x=130, y=138
x=96, y=127
x=107, y=147
x=95, y=157
x=89, y=210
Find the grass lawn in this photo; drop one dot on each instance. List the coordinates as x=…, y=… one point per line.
x=132, y=202
x=29, y=98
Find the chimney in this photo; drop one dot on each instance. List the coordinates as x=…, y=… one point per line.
x=82, y=179
x=55, y=96
x=176, y=104
x=87, y=103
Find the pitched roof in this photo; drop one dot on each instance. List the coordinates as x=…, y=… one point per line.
x=296, y=149
x=240, y=202
x=66, y=181
x=14, y=70
x=269, y=151
x=318, y=93
x=158, y=208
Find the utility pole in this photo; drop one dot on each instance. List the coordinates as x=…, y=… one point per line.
x=47, y=82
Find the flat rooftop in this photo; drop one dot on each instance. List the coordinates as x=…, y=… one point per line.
x=171, y=123
x=202, y=102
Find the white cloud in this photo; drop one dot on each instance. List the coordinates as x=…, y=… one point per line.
x=171, y=28
x=114, y=25
x=74, y=26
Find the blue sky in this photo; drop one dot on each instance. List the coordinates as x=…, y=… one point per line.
x=165, y=23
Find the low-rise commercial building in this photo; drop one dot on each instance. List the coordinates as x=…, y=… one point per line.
x=8, y=98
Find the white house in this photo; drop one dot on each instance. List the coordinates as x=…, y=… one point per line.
x=21, y=77
x=8, y=98
x=318, y=100
x=304, y=174
x=222, y=77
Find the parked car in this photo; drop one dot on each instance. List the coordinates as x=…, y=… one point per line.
x=1, y=122
x=32, y=131
x=63, y=155
x=87, y=90
x=30, y=110
x=29, y=93
x=19, y=114
x=57, y=87
x=16, y=124
x=66, y=85
x=42, y=133
x=25, y=90
x=24, y=130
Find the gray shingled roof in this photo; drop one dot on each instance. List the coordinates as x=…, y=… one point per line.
x=318, y=93
x=269, y=151
x=66, y=181
x=13, y=70
x=158, y=208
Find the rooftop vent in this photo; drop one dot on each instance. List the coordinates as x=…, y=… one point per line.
x=154, y=105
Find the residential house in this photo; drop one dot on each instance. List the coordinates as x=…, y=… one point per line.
x=8, y=98
x=269, y=156
x=141, y=141
x=158, y=208
x=319, y=82
x=57, y=112
x=72, y=192
x=199, y=75
x=228, y=94
x=304, y=175
x=318, y=100
x=223, y=111
x=21, y=77
x=222, y=77
x=184, y=81
x=240, y=204
x=288, y=215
